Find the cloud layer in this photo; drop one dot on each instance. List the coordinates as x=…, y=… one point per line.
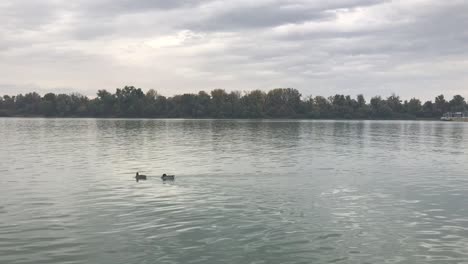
x=409, y=47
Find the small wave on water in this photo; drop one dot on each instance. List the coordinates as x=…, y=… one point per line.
x=245, y=192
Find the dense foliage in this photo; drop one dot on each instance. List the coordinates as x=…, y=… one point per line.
x=277, y=103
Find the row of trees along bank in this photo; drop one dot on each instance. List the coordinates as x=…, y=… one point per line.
x=277, y=103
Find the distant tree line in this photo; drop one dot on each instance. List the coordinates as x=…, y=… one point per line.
x=277, y=103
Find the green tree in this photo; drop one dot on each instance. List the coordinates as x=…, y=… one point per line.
x=48, y=104
x=323, y=107
x=380, y=108
x=394, y=102
x=219, y=97
x=28, y=103
x=283, y=102
x=441, y=106
x=457, y=104
x=428, y=109
x=253, y=104
x=129, y=101
x=105, y=103
x=204, y=101
x=414, y=107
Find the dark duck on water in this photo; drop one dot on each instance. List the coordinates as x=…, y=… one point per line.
x=139, y=177
x=166, y=177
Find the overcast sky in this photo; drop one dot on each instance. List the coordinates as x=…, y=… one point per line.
x=375, y=47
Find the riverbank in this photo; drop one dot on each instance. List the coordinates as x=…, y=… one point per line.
x=213, y=118
x=280, y=103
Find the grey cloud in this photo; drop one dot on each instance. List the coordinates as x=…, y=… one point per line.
x=101, y=43
x=131, y=6
x=21, y=15
x=255, y=17
x=429, y=34
x=270, y=14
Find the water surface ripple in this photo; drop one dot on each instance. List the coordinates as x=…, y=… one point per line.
x=246, y=191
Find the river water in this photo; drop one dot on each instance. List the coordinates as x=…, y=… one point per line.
x=245, y=191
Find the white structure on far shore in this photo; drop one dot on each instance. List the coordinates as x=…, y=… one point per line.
x=455, y=116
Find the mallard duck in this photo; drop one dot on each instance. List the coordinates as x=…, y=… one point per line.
x=140, y=177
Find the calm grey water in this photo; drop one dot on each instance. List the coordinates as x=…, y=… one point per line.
x=245, y=191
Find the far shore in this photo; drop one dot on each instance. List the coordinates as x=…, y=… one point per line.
x=279, y=103
x=213, y=118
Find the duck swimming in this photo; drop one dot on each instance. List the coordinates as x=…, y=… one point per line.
x=166, y=177
x=139, y=177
